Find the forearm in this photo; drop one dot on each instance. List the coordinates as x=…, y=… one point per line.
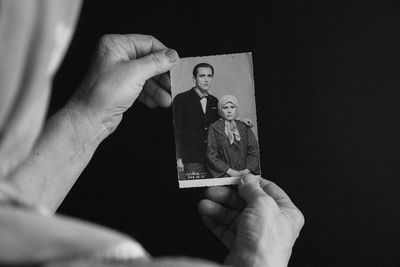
x=65, y=147
x=58, y=238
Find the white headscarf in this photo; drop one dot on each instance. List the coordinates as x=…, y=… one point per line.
x=34, y=37
x=231, y=129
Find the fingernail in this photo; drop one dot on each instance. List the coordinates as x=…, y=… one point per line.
x=172, y=55
x=249, y=179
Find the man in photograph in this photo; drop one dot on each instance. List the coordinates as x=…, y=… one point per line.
x=194, y=110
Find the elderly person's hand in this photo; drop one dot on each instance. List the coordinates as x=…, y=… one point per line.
x=259, y=224
x=123, y=66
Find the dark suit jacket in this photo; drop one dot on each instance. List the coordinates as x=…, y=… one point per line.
x=191, y=125
x=221, y=155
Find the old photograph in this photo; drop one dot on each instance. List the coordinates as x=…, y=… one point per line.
x=215, y=121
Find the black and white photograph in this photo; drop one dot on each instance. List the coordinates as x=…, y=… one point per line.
x=199, y=133
x=215, y=120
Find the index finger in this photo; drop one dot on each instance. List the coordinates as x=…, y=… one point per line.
x=144, y=44
x=127, y=47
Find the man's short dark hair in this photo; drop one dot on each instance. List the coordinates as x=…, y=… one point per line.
x=202, y=65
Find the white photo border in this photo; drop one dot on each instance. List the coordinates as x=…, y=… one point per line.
x=236, y=78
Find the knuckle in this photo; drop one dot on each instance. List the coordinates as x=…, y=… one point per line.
x=298, y=222
x=106, y=39
x=300, y=219
x=150, y=38
x=145, y=38
x=106, y=44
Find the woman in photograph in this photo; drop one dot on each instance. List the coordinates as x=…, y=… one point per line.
x=232, y=149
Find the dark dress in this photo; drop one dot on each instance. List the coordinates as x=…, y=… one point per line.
x=221, y=155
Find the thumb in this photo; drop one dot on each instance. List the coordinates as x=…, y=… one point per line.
x=250, y=189
x=154, y=64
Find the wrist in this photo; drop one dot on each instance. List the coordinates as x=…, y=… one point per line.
x=259, y=259
x=272, y=261
x=87, y=126
x=96, y=110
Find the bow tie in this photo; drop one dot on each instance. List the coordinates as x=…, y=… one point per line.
x=203, y=97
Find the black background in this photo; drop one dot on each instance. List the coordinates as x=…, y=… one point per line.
x=327, y=76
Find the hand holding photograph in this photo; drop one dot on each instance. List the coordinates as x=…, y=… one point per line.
x=214, y=120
